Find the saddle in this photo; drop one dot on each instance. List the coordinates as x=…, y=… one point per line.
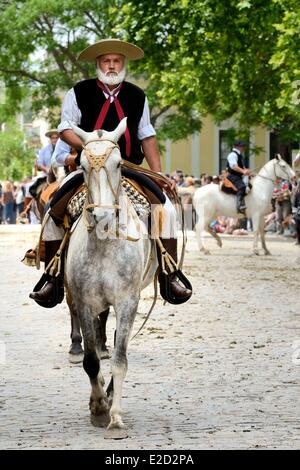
x=133, y=190
x=48, y=192
x=37, y=186
x=227, y=186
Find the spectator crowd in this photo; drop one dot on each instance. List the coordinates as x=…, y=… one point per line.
x=282, y=219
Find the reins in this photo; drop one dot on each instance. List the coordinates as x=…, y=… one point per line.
x=277, y=178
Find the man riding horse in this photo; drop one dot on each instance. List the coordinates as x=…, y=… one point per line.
x=43, y=162
x=101, y=103
x=236, y=169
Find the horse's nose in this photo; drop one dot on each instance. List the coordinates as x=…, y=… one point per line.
x=103, y=214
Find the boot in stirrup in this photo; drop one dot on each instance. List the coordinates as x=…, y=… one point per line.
x=48, y=287
x=170, y=289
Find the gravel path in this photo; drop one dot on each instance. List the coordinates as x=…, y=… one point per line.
x=221, y=371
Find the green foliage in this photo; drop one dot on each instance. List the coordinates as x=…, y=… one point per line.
x=16, y=159
x=40, y=42
x=226, y=58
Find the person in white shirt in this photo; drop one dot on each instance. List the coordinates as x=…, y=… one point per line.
x=43, y=162
x=101, y=103
x=236, y=169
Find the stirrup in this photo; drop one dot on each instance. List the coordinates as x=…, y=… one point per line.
x=168, y=268
x=58, y=291
x=166, y=290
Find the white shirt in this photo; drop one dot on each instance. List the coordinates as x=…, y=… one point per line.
x=44, y=157
x=71, y=113
x=233, y=158
x=61, y=152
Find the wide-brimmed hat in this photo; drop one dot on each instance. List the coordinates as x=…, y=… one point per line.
x=51, y=132
x=111, y=46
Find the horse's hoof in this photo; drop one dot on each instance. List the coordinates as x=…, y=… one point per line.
x=105, y=353
x=116, y=433
x=267, y=253
x=75, y=358
x=256, y=252
x=100, y=421
x=99, y=406
x=205, y=251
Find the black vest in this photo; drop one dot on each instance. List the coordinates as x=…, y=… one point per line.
x=90, y=99
x=240, y=163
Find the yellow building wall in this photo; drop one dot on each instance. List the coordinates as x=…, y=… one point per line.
x=208, y=154
x=181, y=155
x=207, y=147
x=260, y=141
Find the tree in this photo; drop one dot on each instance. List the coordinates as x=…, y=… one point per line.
x=16, y=158
x=40, y=43
x=224, y=58
x=228, y=57
x=41, y=40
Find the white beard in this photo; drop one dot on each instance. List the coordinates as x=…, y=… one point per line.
x=109, y=78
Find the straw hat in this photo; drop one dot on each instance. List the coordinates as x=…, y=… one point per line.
x=111, y=46
x=51, y=132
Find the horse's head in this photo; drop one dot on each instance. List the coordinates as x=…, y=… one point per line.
x=101, y=163
x=282, y=169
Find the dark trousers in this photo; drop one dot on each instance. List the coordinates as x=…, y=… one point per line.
x=239, y=184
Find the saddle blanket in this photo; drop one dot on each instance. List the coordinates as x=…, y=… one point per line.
x=138, y=200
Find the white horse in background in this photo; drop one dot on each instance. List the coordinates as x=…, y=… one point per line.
x=210, y=201
x=104, y=271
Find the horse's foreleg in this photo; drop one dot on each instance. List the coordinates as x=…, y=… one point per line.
x=125, y=319
x=91, y=364
x=199, y=236
x=263, y=236
x=256, y=231
x=100, y=327
x=215, y=235
x=75, y=351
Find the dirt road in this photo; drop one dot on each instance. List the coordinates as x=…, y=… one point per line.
x=221, y=371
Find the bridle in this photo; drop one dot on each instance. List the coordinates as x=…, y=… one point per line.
x=277, y=178
x=98, y=163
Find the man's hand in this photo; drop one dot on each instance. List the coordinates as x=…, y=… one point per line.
x=173, y=184
x=247, y=172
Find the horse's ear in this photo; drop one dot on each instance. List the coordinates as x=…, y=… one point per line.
x=84, y=136
x=278, y=156
x=119, y=131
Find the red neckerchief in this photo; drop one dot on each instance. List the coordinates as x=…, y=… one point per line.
x=119, y=109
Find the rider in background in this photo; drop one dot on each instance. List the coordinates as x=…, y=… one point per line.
x=237, y=171
x=43, y=162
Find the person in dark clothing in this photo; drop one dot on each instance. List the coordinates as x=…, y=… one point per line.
x=236, y=169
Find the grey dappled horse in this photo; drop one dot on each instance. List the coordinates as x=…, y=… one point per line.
x=104, y=270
